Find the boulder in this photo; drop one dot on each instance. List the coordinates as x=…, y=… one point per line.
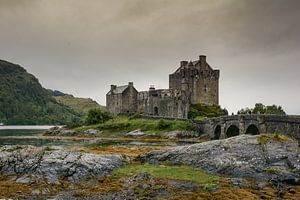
x=182, y=135
x=240, y=156
x=34, y=164
x=136, y=133
x=62, y=132
x=93, y=132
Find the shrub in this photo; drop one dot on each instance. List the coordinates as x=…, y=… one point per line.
x=206, y=111
x=96, y=116
x=163, y=124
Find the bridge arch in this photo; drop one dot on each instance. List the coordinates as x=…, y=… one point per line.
x=232, y=131
x=217, y=132
x=252, y=130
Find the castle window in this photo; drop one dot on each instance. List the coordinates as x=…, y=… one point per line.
x=205, y=88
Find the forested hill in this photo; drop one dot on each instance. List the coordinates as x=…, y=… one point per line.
x=24, y=101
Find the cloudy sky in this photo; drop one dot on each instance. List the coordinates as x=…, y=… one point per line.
x=83, y=46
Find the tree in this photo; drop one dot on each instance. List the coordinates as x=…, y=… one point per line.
x=260, y=108
x=96, y=116
x=206, y=111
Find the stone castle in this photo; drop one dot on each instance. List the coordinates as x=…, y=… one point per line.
x=192, y=83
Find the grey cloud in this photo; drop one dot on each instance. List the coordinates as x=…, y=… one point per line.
x=82, y=47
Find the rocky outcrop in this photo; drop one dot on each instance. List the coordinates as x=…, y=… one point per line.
x=65, y=132
x=140, y=134
x=241, y=156
x=183, y=135
x=62, y=132
x=93, y=132
x=27, y=164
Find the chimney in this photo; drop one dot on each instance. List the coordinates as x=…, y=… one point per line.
x=202, y=59
x=112, y=87
x=152, y=88
x=130, y=84
x=183, y=63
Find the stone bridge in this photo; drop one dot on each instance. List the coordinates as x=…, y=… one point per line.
x=229, y=126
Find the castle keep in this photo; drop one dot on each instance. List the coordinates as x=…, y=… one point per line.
x=192, y=83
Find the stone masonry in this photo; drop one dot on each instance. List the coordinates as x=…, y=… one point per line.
x=192, y=83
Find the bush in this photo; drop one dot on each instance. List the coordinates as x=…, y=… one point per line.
x=260, y=108
x=134, y=116
x=162, y=124
x=97, y=116
x=206, y=111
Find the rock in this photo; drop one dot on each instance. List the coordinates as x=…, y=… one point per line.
x=36, y=164
x=181, y=135
x=62, y=132
x=238, y=182
x=240, y=156
x=23, y=179
x=93, y=132
x=136, y=133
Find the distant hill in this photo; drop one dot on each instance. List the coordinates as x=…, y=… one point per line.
x=24, y=101
x=81, y=105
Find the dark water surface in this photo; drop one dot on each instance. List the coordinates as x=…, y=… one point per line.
x=30, y=137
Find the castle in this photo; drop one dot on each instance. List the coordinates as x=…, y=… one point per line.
x=192, y=83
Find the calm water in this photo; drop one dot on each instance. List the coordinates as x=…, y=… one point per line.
x=23, y=135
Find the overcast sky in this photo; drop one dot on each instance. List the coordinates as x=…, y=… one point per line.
x=83, y=46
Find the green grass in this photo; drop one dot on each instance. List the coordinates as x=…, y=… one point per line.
x=126, y=124
x=183, y=173
x=82, y=105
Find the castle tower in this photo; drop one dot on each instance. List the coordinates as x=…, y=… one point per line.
x=201, y=81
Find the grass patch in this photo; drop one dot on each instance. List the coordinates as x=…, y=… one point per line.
x=272, y=170
x=129, y=151
x=265, y=138
x=125, y=124
x=184, y=173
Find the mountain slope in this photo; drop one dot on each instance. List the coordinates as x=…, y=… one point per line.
x=81, y=105
x=24, y=101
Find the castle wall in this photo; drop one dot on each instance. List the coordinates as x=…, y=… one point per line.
x=206, y=88
x=114, y=103
x=162, y=103
x=129, y=100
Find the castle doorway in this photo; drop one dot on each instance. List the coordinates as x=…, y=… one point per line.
x=155, y=110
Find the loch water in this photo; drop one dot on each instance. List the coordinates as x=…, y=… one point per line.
x=31, y=135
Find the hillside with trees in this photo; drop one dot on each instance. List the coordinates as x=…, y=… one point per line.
x=24, y=101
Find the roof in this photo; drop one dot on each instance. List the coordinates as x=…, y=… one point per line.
x=194, y=63
x=119, y=89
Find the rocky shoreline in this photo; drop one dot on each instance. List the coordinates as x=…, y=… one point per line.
x=243, y=163
x=132, y=134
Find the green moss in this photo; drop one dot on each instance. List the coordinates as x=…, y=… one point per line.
x=272, y=170
x=184, y=173
x=265, y=138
